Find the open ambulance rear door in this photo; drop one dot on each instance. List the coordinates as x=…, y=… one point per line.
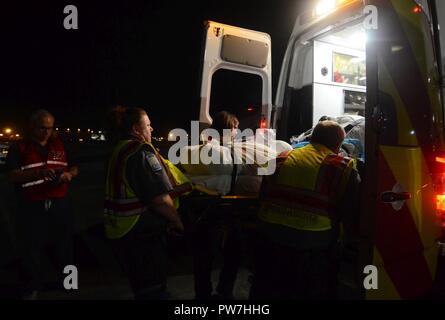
x=404, y=149
x=240, y=50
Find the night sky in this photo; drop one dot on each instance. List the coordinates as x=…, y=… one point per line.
x=135, y=53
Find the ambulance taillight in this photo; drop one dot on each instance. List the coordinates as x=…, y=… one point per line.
x=440, y=206
x=263, y=123
x=417, y=9
x=439, y=188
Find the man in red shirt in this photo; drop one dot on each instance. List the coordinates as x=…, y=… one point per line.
x=39, y=168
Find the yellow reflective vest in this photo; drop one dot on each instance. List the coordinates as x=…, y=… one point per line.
x=122, y=208
x=305, y=191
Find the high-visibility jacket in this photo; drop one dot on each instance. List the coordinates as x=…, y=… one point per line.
x=122, y=208
x=31, y=158
x=305, y=191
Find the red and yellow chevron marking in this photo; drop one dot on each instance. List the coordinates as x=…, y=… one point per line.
x=405, y=240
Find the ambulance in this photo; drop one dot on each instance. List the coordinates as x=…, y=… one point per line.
x=380, y=59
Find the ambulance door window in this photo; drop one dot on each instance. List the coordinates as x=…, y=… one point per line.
x=238, y=93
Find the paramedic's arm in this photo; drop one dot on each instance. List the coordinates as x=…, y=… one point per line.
x=163, y=205
x=73, y=169
x=17, y=176
x=67, y=176
x=151, y=184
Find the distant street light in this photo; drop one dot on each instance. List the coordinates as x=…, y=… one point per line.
x=8, y=130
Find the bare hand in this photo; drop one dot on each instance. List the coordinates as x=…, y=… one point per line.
x=175, y=228
x=66, y=177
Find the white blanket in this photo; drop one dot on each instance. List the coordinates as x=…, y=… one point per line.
x=247, y=155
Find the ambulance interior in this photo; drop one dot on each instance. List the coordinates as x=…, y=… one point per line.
x=328, y=79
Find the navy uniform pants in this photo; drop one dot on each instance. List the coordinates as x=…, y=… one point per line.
x=44, y=225
x=143, y=256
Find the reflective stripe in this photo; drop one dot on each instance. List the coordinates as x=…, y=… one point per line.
x=57, y=162
x=126, y=213
x=122, y=200
x=304, y=192
x=117, y=166
x=121, y=206
x=31, y=157
x=34, y=165
x=33, y=183
x=332, y=170
x=301, y=200
x=124, y=207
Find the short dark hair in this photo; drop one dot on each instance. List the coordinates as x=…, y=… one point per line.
x=224, y=120
x=37, y=115
x=121, y=121
x=328, y=133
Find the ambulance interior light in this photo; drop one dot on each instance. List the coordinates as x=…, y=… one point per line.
x=361, y=38
x=326, y=6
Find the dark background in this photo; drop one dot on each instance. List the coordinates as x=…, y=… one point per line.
x=135, y=53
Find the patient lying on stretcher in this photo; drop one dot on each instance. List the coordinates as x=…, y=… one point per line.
x=228, y=165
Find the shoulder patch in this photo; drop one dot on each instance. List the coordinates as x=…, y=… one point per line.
x=153, y=162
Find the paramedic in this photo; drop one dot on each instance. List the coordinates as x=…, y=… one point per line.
x=138, y=209
x=41, y=170
x=312, y=193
